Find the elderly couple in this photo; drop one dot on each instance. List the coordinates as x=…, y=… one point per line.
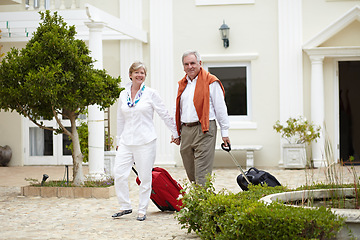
x=200, y=100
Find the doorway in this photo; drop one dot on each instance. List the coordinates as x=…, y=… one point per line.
x=349, y=111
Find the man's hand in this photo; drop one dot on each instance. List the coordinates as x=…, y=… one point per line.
x=175, y=140
x=226, y=141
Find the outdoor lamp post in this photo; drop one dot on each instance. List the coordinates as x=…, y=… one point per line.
x=224, y=31
x=45, y=176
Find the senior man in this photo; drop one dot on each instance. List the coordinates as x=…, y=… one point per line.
x=200, y=101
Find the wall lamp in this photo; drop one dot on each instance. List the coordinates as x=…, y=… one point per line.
x=224, y=31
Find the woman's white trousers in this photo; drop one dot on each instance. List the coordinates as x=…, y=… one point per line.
x=144, y=157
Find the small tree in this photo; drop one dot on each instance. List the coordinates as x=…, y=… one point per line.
x=52, y=75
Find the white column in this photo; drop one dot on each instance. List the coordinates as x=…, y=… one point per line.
x=36, y=4
x=290, y=60
x=96, y=116
x=161, y=70
x=318, y=108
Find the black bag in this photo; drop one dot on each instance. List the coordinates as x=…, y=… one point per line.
x=257, y=177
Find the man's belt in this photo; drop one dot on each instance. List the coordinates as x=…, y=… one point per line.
x=192, y=124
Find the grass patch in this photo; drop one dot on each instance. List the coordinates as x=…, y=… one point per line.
x=88, y=183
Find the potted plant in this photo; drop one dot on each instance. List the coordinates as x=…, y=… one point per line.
x=298, y=132
x=5, y=155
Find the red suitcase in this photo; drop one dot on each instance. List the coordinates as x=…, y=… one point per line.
x=165, y=190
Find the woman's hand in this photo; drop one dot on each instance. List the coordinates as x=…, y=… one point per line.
x=175, y=140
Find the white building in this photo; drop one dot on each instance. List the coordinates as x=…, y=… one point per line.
x=285, y=58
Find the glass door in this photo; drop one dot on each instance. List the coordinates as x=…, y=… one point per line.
x=349, y=98
x=44, y=147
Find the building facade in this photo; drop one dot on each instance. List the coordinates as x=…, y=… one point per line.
x=284, y=59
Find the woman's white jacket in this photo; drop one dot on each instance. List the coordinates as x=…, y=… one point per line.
x=135, y=125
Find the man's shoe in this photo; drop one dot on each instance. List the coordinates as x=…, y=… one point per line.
x=141, y=217
x=119, y=214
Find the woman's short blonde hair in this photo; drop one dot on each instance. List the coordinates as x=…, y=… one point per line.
x=135, y=66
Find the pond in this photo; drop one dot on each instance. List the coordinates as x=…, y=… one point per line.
x=336, y=202
x=352, y=215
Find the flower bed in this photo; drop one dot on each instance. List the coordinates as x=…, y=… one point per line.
x=68, y=192
x=90, y=189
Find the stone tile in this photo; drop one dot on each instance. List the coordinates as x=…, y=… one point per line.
x=48, y=191
x=90, y=218
x=30, y=191
x=103, y=192
x=82, y=192
x=67, y=192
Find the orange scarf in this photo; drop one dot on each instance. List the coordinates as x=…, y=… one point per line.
x=201, y=98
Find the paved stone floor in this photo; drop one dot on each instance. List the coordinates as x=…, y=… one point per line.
x=62, y=218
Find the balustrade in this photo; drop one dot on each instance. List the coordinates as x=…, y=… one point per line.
x=39, y=5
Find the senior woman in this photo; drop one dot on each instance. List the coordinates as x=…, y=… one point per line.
x=136, y=138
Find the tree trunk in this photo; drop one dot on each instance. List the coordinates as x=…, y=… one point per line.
x=77, y=156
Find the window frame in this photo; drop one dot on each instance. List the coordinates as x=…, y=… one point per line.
x=237, y=118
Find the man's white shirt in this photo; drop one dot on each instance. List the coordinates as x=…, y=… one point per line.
x=218, y=109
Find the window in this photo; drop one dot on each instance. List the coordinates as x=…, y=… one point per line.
x=41, y=142
x=234, y=82
x=66, y=142
x=235, y=78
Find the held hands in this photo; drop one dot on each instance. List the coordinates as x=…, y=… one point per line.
x=226, y=140
x=175, y=140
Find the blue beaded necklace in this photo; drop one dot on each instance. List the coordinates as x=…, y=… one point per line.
x=137, y=97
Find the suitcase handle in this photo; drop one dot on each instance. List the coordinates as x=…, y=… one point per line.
x=252, y=168
x=228, y=149
x=135, y=171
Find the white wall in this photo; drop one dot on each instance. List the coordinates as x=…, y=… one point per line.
x=319, y=14
x=11, y=125
x=313, y=24
x=11, y=134
x=253, y=29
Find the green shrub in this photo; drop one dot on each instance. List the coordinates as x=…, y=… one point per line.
x=190, y=216
x=83, y=137
x=227, y=216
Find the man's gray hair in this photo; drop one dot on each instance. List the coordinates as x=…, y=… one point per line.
x=191, y=52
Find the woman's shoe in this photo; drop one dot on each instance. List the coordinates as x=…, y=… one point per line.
x=119, y=214
x=141, y=217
